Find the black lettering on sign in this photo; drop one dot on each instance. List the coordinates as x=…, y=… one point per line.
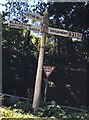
x=71, y=34
x=59, y=31
x=35, y=29
x=75, y=35
x=28, y=25
x=37, y=17
x=32, y=16
x=78, y=35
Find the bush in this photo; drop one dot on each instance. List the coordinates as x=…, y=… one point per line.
x=50, y=109
x=13, y=113
x=46, y=110
x=8, y=112
x=17, y=103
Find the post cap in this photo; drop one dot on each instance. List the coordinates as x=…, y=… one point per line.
x=46, y=13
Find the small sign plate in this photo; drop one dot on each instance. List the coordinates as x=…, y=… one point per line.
x=48, y=70
x=34, y=16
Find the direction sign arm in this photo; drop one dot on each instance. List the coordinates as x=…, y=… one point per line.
x=19, y=25
x=34, y=16
x=64, y=33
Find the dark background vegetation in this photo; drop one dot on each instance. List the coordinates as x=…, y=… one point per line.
x=68, y=83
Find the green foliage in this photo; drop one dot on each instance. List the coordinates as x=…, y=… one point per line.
x=50, y=111
x=17, y=103
x=14, y=113
x=17, y=60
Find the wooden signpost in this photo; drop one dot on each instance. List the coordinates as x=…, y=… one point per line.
x=44, y=29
